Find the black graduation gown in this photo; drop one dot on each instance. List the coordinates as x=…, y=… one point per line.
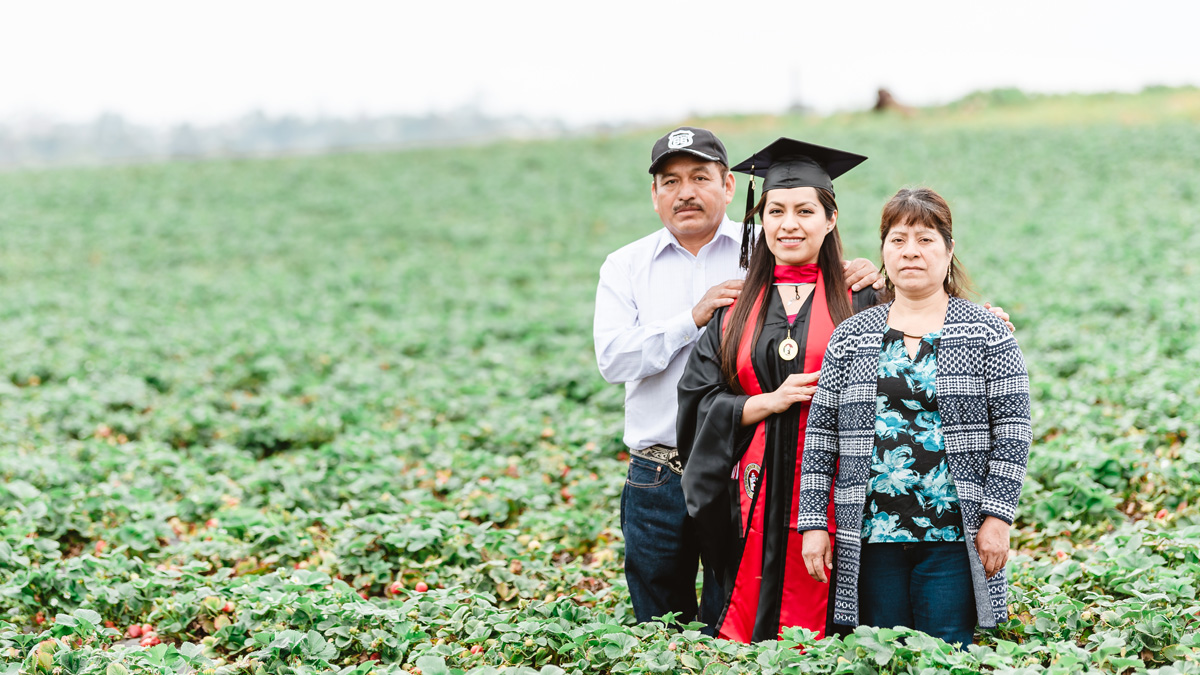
x=712, y=442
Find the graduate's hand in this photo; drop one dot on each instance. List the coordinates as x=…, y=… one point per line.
x=721, y=295
x=992, y=544
x=817, y=554
x=1000, y=314
x=797, y=388
x=861, y=273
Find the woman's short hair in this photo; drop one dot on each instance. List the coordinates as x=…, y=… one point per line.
x=923, y=206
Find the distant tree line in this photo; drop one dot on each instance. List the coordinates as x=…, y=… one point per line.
x=112, y=138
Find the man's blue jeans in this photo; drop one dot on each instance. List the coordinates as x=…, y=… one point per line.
x=925, y=585
x=662, y=551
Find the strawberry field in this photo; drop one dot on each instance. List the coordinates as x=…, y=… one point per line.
x=342, y=413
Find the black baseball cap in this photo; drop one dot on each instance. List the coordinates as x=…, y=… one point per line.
x=699, y=142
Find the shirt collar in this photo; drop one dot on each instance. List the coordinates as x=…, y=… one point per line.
x=728, y=229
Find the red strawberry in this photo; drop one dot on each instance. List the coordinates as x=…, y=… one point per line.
x=421, y=587
x=1162, y=513
x=227, y=607
x=134, y=631
x=39, y=618
x=476, y=649
x=395, y=588
x=150, y=641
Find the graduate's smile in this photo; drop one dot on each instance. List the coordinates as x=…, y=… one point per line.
x=795, y=224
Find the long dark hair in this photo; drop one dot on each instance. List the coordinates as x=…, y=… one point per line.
x=926, y=207
x=761, y=272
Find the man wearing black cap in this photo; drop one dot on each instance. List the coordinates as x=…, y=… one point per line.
x=654, y=298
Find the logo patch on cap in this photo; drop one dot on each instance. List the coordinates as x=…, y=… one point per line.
x=679, y=139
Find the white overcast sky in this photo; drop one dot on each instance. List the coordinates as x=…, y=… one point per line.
x=162, y=61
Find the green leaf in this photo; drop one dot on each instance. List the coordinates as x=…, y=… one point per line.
x=286, y=639
x=432, y=665
x=89, y=616
x=22, y=490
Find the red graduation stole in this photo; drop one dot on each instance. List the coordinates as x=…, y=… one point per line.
x=804, y=600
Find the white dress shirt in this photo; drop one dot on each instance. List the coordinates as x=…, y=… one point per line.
x=644, y=329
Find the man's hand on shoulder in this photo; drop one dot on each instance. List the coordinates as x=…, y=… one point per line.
x=861, y=273
x=721, y=295
x=1000, y=314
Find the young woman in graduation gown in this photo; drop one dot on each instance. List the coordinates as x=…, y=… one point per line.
x=743, y=398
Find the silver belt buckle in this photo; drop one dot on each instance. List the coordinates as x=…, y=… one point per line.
x=661, y=454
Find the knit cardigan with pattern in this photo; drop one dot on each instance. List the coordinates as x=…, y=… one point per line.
x=983, y=398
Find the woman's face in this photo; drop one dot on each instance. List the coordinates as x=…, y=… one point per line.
x=795, y=225
x=917, y=259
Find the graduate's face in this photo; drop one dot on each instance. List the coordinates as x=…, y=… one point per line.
x=690, y=195
x=795, y=225
x=917, y=258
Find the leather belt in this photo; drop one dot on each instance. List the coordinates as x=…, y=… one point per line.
x=661, y=454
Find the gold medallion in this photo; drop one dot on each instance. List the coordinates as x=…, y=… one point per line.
x=788, y=349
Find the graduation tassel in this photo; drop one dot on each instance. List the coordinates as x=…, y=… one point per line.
x=748, y=224
x=750, y=194
x=744, y=259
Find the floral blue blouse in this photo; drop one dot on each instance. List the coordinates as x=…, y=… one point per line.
x=910, y=494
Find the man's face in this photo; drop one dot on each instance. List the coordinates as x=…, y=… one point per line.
x=690, y=196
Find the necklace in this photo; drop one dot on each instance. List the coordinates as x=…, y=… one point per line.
x=789, y=348
x=794, y=276
x=796, y=298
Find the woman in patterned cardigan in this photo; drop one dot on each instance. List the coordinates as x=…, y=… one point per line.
x=922, y=416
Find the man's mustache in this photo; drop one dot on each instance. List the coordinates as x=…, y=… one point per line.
x=687, y=205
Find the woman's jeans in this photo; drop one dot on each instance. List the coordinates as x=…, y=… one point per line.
x=925, y=585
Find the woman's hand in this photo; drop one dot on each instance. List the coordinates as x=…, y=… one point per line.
x=1000, y=314
x=991, y=542
x=817, y=554
x=797, y=388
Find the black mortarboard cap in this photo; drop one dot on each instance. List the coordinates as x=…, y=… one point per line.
x=788, y=163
